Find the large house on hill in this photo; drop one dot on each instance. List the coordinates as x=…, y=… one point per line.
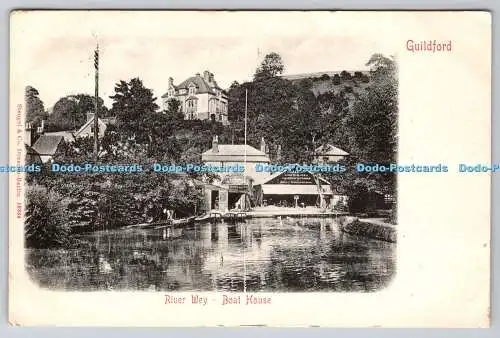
x=200, y=98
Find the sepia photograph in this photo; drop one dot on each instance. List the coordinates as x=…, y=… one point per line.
x=292, y=219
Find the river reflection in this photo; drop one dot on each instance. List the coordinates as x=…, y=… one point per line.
x=256, y=255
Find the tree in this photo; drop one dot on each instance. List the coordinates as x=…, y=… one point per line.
x=271, y=66
x=132, y=103
x=174, y=105
x=381, y=64
x=345, y=75
x=132, y=100
x=336, y=79
x=34, y=106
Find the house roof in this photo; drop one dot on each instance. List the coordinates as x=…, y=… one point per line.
x=201, y=85
x=234, y=153
x=89, y=121
x=329, y=149
x=67, y=134
x=47, y=144
x=212, y=186
x=31, y=155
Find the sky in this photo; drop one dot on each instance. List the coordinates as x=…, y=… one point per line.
x=54, y=51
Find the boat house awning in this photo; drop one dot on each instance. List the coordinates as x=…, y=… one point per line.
x=292, y=183
x=295, y=189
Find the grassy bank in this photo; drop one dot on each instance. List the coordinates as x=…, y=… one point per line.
x=367, y=228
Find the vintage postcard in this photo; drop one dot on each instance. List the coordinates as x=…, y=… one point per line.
x=232, y=168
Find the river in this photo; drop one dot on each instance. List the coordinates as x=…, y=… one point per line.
x=289, y=255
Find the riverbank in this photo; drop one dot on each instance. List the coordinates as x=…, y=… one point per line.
x=369, y=227
x=272, y=211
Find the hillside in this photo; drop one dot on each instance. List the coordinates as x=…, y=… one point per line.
x=331, y=81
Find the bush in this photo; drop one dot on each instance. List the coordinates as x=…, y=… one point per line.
x=345, y=75
x=46, y=222
x=336, y=79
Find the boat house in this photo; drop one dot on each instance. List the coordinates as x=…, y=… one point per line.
x=295, y=189
x=234, y=190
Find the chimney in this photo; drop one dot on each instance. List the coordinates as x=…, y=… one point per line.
x=28, y=135
x=170, y=82
x=267, y=150
x=262, y=145
x=206, y=76
x=90, y=116
x=278, y=153
x=198, y=75
x=215, y=144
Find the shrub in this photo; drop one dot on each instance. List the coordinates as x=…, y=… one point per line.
x=46, y=222
x=345, y=75
x=336, y=79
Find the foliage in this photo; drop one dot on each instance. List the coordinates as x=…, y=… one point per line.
x=107, y=200
x=283, y=113
x=361, y=119
x=271, y=66
x=46, y=218
x=34, y=106
x=345, y=75
x=336, y=79
x=132, y=105
x=70, y=112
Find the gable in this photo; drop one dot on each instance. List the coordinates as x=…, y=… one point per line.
x=47, y=145
x=88, y=125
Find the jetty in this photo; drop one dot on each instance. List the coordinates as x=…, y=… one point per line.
x=234, y=216
x=272, y=212
x=171, y=223
x=215, y=215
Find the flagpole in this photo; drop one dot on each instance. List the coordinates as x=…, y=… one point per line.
x=242, y=226
x=246, y=107
x=96, y=107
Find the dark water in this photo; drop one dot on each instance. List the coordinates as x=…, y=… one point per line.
x=257, y=255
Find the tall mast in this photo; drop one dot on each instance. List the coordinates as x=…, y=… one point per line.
x=246, y=107
x=243, y=228
x=96, y=122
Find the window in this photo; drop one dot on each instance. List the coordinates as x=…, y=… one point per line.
x=192, y=90
x=171, y=92
x=191, y=104
x=325, y=159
